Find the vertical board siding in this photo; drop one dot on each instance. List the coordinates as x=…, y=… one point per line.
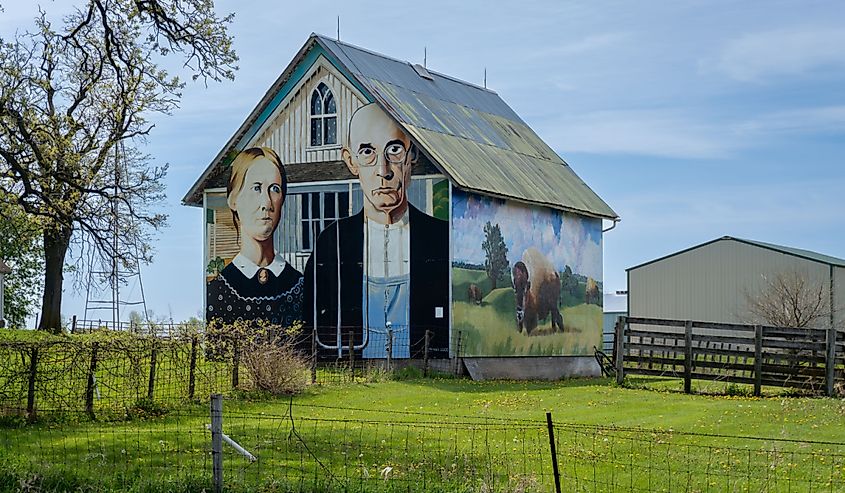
x=289, y=133
x=710, y=283
x=223, y=237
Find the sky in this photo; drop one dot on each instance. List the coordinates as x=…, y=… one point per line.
x=691, y=119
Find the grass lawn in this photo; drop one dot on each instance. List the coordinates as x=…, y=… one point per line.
x=489, y=329
x=490, y=332
x=453, y=435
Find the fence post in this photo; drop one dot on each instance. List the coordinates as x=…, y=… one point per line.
x=314, y=356
x=389, y=349
x=830, y=361
x=152, y=382
x=30, y=393
x=217, y=441
x=89, y=389
x=554, y=451
x=73, y=325
x=458, y=354
x=619, y=348
x=351, y=356
x=425, y=354
x=758, y=360
x=688, y=357
x=236, y=364
x=193, y=369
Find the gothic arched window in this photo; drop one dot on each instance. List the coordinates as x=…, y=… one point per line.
x=323, y=116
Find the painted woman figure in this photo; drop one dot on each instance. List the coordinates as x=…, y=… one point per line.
x=258, y=283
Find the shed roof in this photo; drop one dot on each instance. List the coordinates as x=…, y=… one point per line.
x=796, y=252
x=470, y=134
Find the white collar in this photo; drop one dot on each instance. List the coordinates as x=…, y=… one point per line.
x=248, y=268
x=402, y=223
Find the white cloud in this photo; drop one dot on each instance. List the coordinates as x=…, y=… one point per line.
x=820, y=119
x=639, y=132
x=583, y=45
x=756, y=56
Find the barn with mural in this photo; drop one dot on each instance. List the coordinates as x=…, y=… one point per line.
x=379, y=204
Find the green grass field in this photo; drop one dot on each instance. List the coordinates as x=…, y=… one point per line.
x=448, y=435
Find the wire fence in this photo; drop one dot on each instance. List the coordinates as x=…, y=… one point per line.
x=319, y=448
x=106, y=371
x=99, y=375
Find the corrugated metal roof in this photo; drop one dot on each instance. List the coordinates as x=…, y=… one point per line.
x=471, y=133
x=797, y=252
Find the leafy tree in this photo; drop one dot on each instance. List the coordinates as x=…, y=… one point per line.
x=74, y=108
x=20, y=248
x=496, y=253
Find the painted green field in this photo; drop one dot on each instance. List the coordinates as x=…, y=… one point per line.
x=490, y=329
x=449, y=435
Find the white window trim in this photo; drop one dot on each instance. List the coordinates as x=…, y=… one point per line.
x=311, y=117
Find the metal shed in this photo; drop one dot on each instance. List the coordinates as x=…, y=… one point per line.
x=710, y=282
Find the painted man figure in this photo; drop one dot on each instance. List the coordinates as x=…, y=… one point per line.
x=387, y=267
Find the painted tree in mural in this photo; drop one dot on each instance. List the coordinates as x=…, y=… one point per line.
x=74, y=97
x=495, y=253
x=568, y=281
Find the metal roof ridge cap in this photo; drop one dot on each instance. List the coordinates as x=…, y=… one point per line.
x=754, y=243
x=793, y=251
x=387, y=57
x=464, y=82
x=679, y=252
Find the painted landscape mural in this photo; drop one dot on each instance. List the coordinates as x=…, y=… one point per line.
x=525, y=280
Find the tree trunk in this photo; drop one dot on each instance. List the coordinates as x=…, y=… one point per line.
x=56, y=241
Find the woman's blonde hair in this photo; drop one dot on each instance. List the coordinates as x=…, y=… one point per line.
x=239, y=168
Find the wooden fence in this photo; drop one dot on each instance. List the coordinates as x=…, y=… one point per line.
x=750, y=354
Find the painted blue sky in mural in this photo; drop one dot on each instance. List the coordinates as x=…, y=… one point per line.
x=692, y=119
x=565, y=239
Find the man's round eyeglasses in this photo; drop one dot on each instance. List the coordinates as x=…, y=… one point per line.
x=394, y=153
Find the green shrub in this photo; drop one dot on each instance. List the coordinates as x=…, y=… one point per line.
x=737, y=390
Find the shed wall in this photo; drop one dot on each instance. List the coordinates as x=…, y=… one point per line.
x=710, y=283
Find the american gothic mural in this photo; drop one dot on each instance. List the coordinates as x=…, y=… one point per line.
x=375, y=280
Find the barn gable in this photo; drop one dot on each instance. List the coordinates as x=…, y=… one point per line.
x=286, y=130
x=467, y=133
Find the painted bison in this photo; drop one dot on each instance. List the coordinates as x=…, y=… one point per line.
x=536, y=285
x=474, y=294
x=592, y=293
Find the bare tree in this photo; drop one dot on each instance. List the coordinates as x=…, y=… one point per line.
x=74, y=108
x=791, y=299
